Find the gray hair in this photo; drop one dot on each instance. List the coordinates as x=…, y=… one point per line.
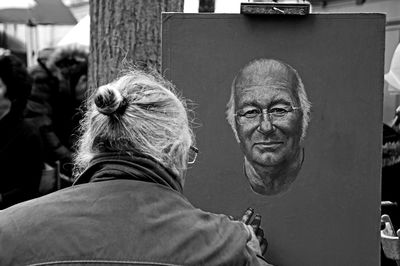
x=305, y=104
x=138, y=112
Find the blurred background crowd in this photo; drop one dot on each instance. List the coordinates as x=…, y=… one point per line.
x=39, y=113
x=43, y=80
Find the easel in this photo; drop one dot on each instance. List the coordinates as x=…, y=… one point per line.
x=274, y=8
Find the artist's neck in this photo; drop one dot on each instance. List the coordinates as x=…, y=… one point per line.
x=270, y=180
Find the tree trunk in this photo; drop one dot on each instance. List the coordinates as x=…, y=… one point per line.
x=125, y=32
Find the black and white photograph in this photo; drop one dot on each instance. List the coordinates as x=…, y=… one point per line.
x=200, y=132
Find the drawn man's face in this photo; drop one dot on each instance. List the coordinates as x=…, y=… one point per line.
x=270, y=139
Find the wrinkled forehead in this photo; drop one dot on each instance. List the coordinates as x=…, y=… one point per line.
x=266, y=73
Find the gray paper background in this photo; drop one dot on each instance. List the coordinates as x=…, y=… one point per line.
x=331, y=214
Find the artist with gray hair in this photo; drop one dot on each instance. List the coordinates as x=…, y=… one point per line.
x=126, y=205
x=269, y=113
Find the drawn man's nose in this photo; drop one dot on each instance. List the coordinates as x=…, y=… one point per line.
x=265, y=125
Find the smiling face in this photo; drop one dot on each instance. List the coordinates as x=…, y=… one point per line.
x=268, y=140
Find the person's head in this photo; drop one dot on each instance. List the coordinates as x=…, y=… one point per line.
x=15, y=84
x=45, y=53
x=140, y=113
x=70, y=63
x=268, y=111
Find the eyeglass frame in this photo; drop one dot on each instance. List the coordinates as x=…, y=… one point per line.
x=264, y=112
x=196, y=152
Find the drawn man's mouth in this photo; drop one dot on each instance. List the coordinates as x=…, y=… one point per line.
x=269, y=145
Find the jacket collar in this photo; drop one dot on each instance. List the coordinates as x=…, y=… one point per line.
x=113, y=166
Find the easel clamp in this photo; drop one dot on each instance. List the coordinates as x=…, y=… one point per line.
x=262, y=8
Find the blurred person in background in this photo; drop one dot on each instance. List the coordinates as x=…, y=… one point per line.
x=21, y=159
x=392, y=77
x=127, y=205
x=391, y=147
x=59, y=86
x=390, y=184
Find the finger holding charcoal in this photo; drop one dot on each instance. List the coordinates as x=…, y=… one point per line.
x=247, y=215
x=255, y=224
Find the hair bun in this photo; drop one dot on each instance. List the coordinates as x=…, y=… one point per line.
x=109, y=101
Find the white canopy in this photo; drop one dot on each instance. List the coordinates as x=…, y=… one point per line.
x=80, y=33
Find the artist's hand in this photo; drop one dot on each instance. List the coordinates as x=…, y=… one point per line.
x=256, y=227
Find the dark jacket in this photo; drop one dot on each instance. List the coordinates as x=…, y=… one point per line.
x=46, y=109
x=55, y=103
x=121, y=210
x=21, y=160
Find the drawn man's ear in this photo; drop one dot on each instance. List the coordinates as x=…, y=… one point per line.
x=234, y=129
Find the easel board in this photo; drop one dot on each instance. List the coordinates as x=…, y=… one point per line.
x=331, y=214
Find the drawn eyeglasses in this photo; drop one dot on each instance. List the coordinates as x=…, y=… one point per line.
x=274, y=114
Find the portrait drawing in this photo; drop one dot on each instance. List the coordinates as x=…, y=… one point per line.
x=269, y=113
